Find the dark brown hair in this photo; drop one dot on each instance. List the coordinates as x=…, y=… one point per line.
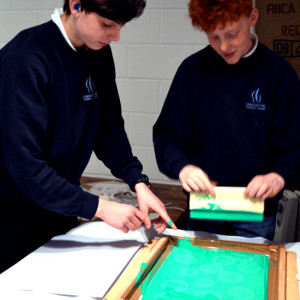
x=120, y=11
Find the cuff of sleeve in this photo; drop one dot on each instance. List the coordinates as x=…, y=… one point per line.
x=89, y=206
x=285, y=174
x=180, y=165
x=132, y=177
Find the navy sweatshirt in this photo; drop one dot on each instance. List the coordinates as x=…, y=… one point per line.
x=233, y=121
x=56, y=107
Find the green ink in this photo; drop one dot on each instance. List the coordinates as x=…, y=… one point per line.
x=214, y=206
x=226, y=215
x=207, y=208
x=205, y=197
x=191, y=272
x=170, y=223
x=139, y=276
x=208, y=202
x=212, y=211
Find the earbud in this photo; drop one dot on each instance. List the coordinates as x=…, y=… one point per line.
x=77, y=7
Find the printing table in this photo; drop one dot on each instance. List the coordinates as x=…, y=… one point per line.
x=76, y=264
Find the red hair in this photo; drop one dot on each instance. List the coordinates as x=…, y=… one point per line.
x=208, y=14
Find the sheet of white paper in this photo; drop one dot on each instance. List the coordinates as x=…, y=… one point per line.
x=8, y=294
x=85, y=262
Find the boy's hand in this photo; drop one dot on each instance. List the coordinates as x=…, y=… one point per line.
x=265, y=186
x=121, y=216
x=149, y=202
x=193, y=179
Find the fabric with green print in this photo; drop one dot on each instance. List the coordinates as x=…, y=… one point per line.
x=191, y=272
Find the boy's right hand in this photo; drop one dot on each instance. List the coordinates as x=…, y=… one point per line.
x=194, y=179
x=120, y=216
x=265, y=186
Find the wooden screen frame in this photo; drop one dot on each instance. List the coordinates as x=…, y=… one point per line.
x=127, y=287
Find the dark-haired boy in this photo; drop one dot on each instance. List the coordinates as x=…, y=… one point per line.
x=231, y=117
x=58, y=103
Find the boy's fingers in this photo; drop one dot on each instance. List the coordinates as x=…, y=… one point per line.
x=172, y=224
x=147, y=221
x=167, y=218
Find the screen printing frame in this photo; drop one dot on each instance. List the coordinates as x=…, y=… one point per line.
x=127, y=286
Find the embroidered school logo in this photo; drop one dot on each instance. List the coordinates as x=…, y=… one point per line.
x=256, y=101
x=90, y=90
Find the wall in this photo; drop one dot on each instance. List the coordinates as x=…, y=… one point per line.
x=146, y=58
x=16, y=15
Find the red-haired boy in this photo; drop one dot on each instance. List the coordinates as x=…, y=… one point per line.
x=230, y=117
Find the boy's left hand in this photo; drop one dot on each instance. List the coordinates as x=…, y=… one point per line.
x=149, y=202
x=265, y=186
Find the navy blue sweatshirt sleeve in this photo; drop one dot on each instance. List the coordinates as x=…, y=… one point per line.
x=286, y=126
x=172, y=132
